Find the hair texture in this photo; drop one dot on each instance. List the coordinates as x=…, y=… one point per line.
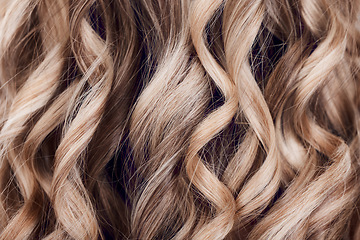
x=184, y=119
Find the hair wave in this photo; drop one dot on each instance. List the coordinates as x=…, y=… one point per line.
x=202, y=119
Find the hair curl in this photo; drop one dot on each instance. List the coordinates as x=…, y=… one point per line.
x=201, y=119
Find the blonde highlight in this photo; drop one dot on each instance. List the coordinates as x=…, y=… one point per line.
x=186, y=119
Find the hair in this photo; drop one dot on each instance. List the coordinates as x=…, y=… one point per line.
x=202, y=119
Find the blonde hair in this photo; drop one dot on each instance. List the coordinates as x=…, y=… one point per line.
x=202, y=119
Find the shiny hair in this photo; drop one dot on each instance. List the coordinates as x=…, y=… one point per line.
x=201, y=119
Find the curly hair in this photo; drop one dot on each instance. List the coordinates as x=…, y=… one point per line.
x=184, y=119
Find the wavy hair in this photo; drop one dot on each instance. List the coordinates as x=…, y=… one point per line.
x=184, y=119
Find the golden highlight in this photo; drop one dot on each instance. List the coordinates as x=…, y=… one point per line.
x=185, y=119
